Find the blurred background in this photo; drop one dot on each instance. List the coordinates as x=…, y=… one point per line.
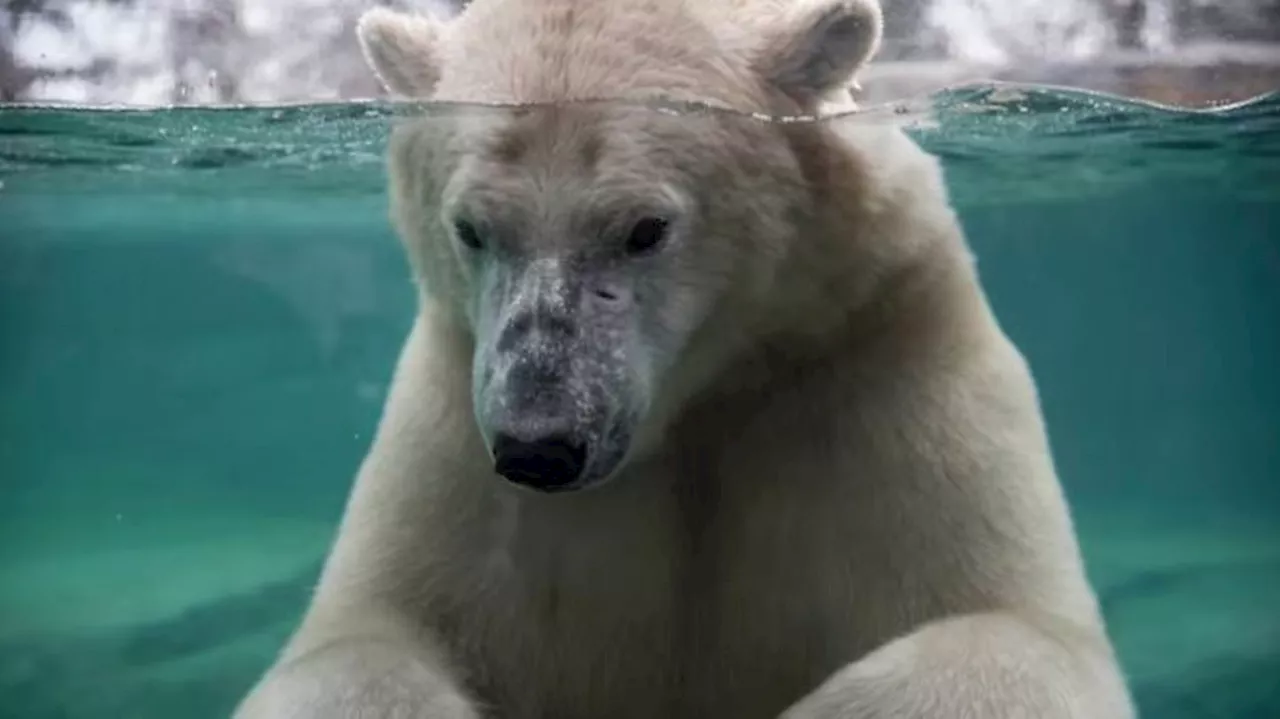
x=159, y=52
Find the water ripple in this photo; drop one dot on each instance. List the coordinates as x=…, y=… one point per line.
x=1017, y=135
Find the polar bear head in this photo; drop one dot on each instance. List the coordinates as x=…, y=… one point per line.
x=606, y=259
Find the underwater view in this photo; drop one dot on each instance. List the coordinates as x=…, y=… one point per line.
x=200, y=311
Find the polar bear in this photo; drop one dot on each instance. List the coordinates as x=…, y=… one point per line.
x=701, y=416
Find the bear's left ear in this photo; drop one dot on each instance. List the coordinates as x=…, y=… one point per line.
x=819, y=47
x=402, y=50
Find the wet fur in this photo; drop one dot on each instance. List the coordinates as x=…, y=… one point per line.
x=845, y=506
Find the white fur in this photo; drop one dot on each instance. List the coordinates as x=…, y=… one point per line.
x=398, y=47
x=846, y=508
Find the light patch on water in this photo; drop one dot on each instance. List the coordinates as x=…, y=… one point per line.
x=326, y=284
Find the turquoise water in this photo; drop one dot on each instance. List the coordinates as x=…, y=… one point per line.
x=199, y=310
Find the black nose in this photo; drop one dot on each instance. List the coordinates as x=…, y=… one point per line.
x=547, y=464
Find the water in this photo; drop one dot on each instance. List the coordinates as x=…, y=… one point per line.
x=199, y=310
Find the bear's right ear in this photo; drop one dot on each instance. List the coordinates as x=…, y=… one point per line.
x=401, y=49
x=819, y=46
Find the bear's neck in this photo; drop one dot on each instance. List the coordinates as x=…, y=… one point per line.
x=921, y=309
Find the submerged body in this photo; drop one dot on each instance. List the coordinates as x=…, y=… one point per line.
x=701, y=417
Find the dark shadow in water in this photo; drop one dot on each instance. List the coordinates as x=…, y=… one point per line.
x=1164, y=581
x=192, y=631
x=1234, y=688
x=66, y=677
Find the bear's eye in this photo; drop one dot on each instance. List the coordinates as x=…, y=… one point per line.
x=647, y=235
x=467, y=234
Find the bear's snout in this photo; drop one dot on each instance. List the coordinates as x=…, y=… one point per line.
x=558, y=382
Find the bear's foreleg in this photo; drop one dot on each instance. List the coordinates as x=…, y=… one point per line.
x=981, y=666
x=356, y=678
